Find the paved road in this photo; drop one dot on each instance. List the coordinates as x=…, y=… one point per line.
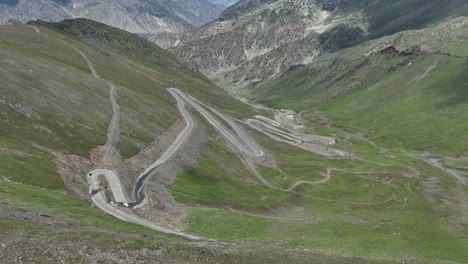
x=113, y=134
x=273, y=129
x=116, y=187
x=236, y=135
x=276, y=126
x=113, y=180
x=240, y=140
x=100, y=202
x=139, y=188
x=247, y=142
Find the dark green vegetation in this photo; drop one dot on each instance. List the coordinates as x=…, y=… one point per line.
x=24, y=164
x=419, y=106
x=389, y=16
x=340, y=37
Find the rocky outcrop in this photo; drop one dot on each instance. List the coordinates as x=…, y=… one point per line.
x=255, y=40
x=413, y=51
x=243, y=7
x=266, y=39
x=143, y=17
x=225, y=3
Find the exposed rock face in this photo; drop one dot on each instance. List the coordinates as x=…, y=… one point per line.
x=255, y=40
x=265, y=40
x=224, y=2
x=137, y=16
x=243, y=7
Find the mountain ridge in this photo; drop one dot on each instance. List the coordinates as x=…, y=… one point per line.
x=143, y=17
x=265, y=38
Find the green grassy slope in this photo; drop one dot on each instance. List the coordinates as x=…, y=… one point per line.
x=415, y=101
x=72, y=246
x=168, y=70
x=78, y=232
x=332, y=217
x=48, y=78
x=379, y=206
x=406, y=220
x=50, y=103
x=423, y=113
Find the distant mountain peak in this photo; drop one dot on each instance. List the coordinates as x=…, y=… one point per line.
x=144, y=16
x=255, y=40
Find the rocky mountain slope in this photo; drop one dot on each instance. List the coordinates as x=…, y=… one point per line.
x=143, y=17
x=225, y=3
x=255, y=40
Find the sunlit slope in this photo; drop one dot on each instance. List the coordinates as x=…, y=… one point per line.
x=369, y=205
x=412, y=95
x=52, y=105
x=50, y=98
x=374, y=205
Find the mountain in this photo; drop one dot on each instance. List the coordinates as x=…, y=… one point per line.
x=97, y=153
x=255, y=40
x=322, y=57
x=119, y=150
x=406, y=90
x=392, y=72
x=143, y=17
x=242, y=7
x=225, y=3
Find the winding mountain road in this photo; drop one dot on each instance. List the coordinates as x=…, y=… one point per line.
x=235, y=135
x=98, y=195
x=139, y=188
x=240, y=139
x=113, y=134
x=247, y=146
x=99, y=200
x=276, y=127
x=273, y=129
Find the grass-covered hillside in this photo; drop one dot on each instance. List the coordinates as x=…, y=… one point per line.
x=47, y=88
x=409, y=90
x=386, y=17
x=51, y=107
x=54, y=117
x=62, y=85
x=378, y=205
